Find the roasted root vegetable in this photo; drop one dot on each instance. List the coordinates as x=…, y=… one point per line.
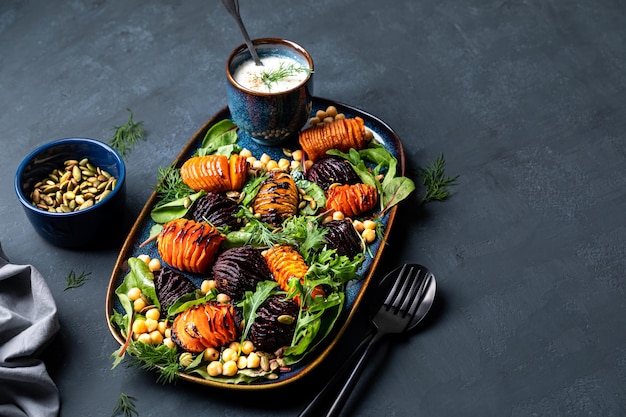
x=330, y=170
x=275, y=323
x=238, y=270
x=352, y=199
x=286, y=263
x=341, y=134
x=277, y=199
x=170, y=285
x=189, y=245
x=343, y=237
x=217, y=173
x=209, y=325
x=216, y=209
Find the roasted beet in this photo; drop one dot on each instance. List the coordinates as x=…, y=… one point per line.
x=238, y=270
x=330, y=170
x=343, y=237
x=275, y=324
x=216, y=209
x=170, y=285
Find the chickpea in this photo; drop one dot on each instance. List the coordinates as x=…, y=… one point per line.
x=229, y=368
x=229, y=355
x=265, y=158
x=258, y=164
x=283, y=164
x=253, y=361
x=314, y=121
x=152, y=324
x=168, y=332
x=329, y=120
x=153, y=314
x=169, y=343
x=162, y=328
x=369, y=224
x=242, y=362
x=214, y=368
x=156, y=338
x=139, y=304
x=250, y=159
x=154, y=264
x=139, y=326
x=327, y=219
x=207, y=285
x=145, y=338
x=211, y=354
x=247, y=347
x=271, y=165
x=368, y=235
x=246, y=153
x=134, y=293
x=320, y=114
x=342, y=116
x=337, y=215
x=358, y=225
x=308, y=164
x=294, y=165
x=331, y=111
x=297, y=155
x=222, y=298
x=144, y=258
x=235, y=346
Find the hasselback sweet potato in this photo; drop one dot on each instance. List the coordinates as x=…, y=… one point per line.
x=352, y=199
x=277, y=199
x=341, y=134
x=215, y=173
x=285, y=263
x=189, y=245
x=204, y=326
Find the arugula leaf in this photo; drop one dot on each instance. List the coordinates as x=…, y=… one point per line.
x=252, y=301
x=251, y=189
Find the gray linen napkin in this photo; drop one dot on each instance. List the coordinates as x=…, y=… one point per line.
x=28, y=320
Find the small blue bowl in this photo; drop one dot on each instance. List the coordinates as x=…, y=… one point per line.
x=270, y=118
x=77, y=228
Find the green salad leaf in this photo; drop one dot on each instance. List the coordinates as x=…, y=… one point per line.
x=220, y=139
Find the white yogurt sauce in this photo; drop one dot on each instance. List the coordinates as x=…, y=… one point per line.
x=250, y=75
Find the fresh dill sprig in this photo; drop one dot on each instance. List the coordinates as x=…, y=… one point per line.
x=434, y=180
x=260, y=233
x=160, y=357
x=170, y=185
x=126, y=136
x=125, y=406
x=72, y=280
x=283, y=71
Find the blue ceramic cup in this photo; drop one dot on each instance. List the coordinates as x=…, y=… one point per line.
x=270, y=114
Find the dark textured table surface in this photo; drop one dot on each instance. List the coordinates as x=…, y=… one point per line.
x=525, y=99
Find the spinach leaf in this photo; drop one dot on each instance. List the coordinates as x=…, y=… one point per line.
x=174, y=209
x=219, y=136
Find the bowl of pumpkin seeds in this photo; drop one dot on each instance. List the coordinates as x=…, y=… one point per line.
x=72, y=190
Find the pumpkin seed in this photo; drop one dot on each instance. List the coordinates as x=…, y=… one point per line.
x=77, y=186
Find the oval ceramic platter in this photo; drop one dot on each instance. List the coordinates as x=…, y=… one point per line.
x=354, y=289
